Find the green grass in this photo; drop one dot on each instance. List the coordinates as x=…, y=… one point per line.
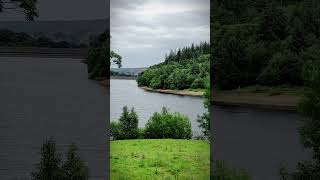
x=160, y=159
x=272, y=91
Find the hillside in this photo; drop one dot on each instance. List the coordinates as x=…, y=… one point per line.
x=71, y=31
x=128, y=71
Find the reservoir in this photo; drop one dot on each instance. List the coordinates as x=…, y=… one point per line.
x=44, y=97
x=50, y=97
x=145, y=103
x=258, y=140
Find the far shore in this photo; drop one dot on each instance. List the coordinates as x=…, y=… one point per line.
x=241, y=99
x=276, y=102
x=287, y=102
x=176, y=92
x=78, y=53
x=123, y=77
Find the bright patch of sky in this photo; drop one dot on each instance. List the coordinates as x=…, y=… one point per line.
x=143, y=31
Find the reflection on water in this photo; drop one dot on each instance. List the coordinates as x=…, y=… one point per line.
x=43, y=97
x=126, y=93
x=260, y=141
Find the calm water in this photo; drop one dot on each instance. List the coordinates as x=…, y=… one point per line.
x=127, y=93
x=43, y=97
x=260, y=141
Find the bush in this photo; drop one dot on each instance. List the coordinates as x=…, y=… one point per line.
x=168, y=125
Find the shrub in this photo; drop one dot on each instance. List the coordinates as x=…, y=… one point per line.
x=168, y=125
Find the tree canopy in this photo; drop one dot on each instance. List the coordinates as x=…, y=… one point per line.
x=182, y=69
x=262, y=42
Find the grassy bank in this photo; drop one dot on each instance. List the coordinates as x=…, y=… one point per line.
x=185, y=92
x=160, y=159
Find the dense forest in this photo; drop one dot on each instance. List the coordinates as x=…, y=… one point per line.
x=186, y=68
x=10, y=38
x=262, y=42
x=272, y=43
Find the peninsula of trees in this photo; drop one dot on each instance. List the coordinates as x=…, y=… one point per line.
x=186, y=68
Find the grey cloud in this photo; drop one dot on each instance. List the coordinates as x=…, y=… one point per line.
x=143, y=40
x=65, y=10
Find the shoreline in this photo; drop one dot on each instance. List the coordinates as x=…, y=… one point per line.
x=282, y=102
x=175, y=92
x=255, y=100
x=77, y=53
x=123, y=77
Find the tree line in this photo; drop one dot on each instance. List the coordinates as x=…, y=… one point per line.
x=51, y=166
x=186, y=68
x=10, y=38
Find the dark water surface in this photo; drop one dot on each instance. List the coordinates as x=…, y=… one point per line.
x=43, y=97
x=127, y=93
x=260, y=141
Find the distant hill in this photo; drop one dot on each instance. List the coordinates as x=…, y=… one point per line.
x=129, y=71
x=71, y=31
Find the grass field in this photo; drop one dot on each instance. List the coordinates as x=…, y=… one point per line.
x=160, y=159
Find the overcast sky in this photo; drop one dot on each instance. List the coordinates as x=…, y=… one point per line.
x=143, y=31
x=65, y=10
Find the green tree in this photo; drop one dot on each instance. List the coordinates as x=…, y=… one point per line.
x=100, y=58
x=115, y=58
x=128, y=124
x=74, y=168
x=283, y=68
x=310, y=107
x=310, y=104
x=273, y=24
x=49, y=166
